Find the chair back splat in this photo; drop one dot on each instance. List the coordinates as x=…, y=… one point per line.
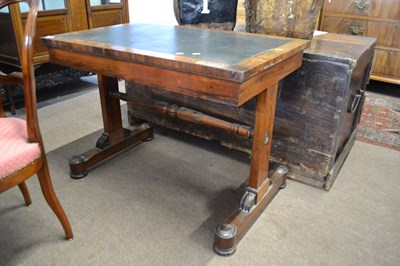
x=21, y=145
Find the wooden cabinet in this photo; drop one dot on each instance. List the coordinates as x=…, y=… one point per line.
x=55, y=16
x=375, y=18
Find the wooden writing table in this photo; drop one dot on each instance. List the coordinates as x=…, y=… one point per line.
x=228, y=67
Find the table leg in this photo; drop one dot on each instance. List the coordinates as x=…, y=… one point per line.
x=263, y=184
x=115, y=138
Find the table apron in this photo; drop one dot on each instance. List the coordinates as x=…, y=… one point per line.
x=182, y=82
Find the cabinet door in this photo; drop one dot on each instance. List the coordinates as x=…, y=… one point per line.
x=53, y=18
x=103, y=13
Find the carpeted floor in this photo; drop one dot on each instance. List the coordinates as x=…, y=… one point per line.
x=158, y=204
x=380, y=121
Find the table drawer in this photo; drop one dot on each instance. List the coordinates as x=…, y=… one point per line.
x=385, y=9
x=386, y=63
x=387, y=33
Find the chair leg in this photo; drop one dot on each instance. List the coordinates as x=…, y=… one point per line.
x=52, y=200
x=25, y=193
x=11, y=99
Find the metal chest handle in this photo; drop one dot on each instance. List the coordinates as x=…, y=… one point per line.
x=355, y=102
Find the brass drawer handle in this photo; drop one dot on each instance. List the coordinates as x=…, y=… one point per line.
x=361, y=4
x=356, y=30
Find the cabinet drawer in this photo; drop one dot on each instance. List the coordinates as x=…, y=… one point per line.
x=387, y=33
x=384, y=9
x=386, y=63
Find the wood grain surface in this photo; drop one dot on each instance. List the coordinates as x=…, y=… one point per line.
x=283, y=18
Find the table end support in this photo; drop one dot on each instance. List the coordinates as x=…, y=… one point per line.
x=228, y=234
x=107, y=147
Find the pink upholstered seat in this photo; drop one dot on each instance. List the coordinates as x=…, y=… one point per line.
x=15, y=151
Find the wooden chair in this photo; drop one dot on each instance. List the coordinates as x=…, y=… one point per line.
x=9, y=81
x=21, y=145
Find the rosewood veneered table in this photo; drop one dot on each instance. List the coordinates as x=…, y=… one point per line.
x=220, y=66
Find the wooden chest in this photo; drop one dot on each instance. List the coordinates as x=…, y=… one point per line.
x=375, y=18
x=318, y=108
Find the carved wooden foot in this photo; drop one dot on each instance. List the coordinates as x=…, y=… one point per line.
x=108, y=146
x=252, y=204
